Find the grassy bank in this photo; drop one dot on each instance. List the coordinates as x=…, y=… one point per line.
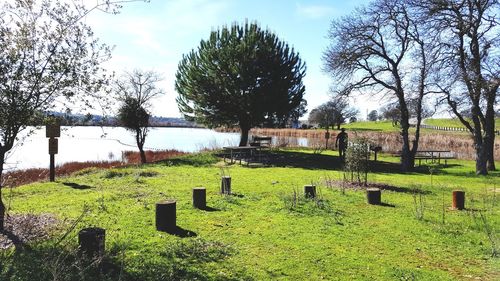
x=266, y=230
x=452, y=122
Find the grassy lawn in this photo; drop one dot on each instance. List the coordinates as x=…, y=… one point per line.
x=264, y=232
x=449, y=122
x=380, y=126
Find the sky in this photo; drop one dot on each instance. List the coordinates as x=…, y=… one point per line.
x=155, y=35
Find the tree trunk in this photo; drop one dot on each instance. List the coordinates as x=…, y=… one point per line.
x=2, y=206
x=489, y=143
x=407, y=158
x=490, y=165
x=244, y=135
x=143, y=155
x=140, y=144
x=489, y=128
x=481, y=159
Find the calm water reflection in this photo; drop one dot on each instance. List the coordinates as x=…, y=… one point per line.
x=101, y=144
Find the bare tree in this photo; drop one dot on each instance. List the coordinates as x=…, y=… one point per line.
x=48, y=55
x=379, y=48
x=468, y=35
x=135, y=90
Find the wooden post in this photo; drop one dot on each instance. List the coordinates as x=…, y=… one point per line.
x=373, y=195
x=458, y=202
x=226, y=185
x=52, y=168
x=92, y=242
x=52, y=132
x=166, y=214
x=200, y=198
x=310, y=191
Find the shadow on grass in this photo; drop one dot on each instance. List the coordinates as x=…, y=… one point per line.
x=209, y=209
x=178, y=260
x=181, y=232
x=16, y=240
x=322, y=162
x=385, y=205
x=239, y=195
x=77, y=186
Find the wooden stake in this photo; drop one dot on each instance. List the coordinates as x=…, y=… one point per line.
x=310, y=191
x=200, y=198
x=166, y=215
x=226, y=185
x=92, y=242
x=373, y=196
x=458, y=202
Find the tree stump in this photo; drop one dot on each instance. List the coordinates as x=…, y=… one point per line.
x=166, y=215
x=310, y=191
x=91, y=242
x=200, y=198
x=458, y=202
x=373, y=195
x=226, y=185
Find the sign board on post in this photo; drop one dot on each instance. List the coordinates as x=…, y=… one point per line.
x=53, y=146
x=53, y=131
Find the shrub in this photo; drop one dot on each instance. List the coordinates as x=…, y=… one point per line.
x=357, y=159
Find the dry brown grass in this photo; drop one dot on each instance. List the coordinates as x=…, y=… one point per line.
x=21, y=177
x=391, y=142
x=133, y=157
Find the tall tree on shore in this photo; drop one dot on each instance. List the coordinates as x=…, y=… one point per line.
x=468, y=35
x=379, y=48
x=48, y=55
x=135, y=90
x=241, y=76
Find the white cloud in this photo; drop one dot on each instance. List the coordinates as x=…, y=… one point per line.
x=314, y=11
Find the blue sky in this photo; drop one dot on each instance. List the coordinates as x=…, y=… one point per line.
x=155, y=35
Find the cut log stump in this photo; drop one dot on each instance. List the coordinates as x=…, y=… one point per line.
x=458, y=202
x=310, y=191
x=166, y=215
x=225, y=187
x=92, y=242
x=200, y=198
x=373, y=196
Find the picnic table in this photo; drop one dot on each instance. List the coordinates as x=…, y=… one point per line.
x=434, y=155
x=240, y=152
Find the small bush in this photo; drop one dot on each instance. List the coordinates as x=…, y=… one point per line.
x=196, y=160
x=297, y=202
x=357, y=159
x=114, y=174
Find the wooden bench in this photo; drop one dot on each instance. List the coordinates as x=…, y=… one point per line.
x=261, y=141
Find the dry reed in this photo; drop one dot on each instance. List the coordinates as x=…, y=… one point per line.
x=21, y=177
x=460, y=144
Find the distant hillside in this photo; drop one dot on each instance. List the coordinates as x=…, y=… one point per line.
x=99, y=120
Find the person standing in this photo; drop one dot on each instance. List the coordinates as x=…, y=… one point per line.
x=341, y=142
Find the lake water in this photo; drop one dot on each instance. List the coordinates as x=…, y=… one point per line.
x=107, y=143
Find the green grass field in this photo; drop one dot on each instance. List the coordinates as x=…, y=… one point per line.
x=386, y=126
x=264, y=231
x=452, y=122
x=381, y=126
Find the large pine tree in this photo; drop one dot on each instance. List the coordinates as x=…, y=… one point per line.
x=241, y=76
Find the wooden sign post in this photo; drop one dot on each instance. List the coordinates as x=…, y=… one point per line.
x=53, y=132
